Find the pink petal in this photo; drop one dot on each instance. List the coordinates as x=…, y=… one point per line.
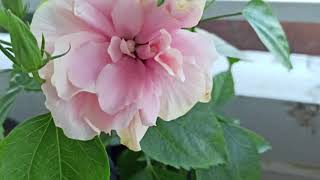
x=101, y=121
x=172, y=15
x=120, y=84
x=127, y=17
x=171, y=60
x=60, y=80
x=114, y=49
x=81, y=117
x=47, y=71
x=157, y=45
x=144, y=52
x=188, y=12
x=150, y=108
x=94, y=17
x=132, y=135
x=178, y=97
x=55, y=19
x=85, y=64
x=200, y=46
x=66, y=114
x=162, y=42
x=104, y=6
x=124, y=117
x=94, y=116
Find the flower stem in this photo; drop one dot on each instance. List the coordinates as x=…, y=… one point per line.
x=37, y=77
x=148, y=160
x=222, y=16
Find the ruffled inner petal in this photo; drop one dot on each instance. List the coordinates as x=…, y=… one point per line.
x=60, y=80
x=85, y=64
x=120, y=84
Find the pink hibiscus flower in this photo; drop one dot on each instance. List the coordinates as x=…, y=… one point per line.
x=130, y=62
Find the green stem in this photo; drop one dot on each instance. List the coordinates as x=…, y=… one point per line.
x=222, y=16
x=150, y=167
x=148, y=160
x=37, y=77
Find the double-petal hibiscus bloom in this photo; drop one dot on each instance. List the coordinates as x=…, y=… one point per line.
x=130, y=62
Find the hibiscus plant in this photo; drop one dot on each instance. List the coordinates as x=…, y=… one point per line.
x=130, y=89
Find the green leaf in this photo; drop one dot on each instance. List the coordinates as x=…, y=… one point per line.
x=232, y=61
x=132, y=165
x=223, y=88
x=160, y=2
x=261, y=143
x=259, y=14
x=129, y=165
x=156, y=173
x=243, y=157
x=145, y=174
x=37, y=150
x=17, y=7
x=223, y=85
x=214, y=173
x=165, y=174
x=192, y=141
x=43, y=45
x=6, y=104
x=209, y=3
x=24, y=44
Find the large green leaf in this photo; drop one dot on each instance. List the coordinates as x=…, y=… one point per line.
x=37, y=150
x=242, y=152
x=243, y=157
x=192, y=141
x=157, y=173
x=16, y=6
x=259, y=14
x=6, y=104
x=24, y=45
x=214, y=173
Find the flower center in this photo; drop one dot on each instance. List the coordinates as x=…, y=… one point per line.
x=120, y=47
x=158, y=49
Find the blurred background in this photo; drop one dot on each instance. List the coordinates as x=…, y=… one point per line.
x=282, y=106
